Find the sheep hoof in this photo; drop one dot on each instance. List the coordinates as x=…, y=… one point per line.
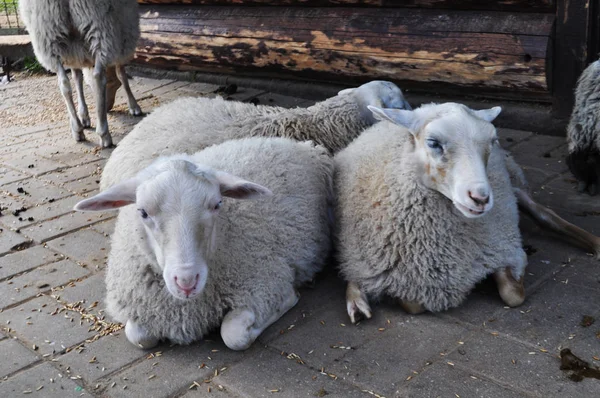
x=358, y=309
x=135, y=111
x=411, y=307
x=106, y=141
x=85, y=121
x=237, y=329
x=139, y=337
x=77, y=131
x=511, y=291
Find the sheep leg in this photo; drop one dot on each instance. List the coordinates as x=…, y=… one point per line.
x=82, y=109
x=134, y=108
x=357, y=303
x=412, y=307
x=67, y=93
x=100, y=92
x=138, y=336
x=511, y=290
x=240, y=328
x=552, y=221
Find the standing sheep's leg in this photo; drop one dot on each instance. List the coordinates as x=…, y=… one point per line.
x=240, y=327
x=82, y=109
x=511, y=290
x=552, y=221
x=412, y=307
x=138, y=336
x=357, y=303
x=67, y=93
x=134, y=108
x=100, y=92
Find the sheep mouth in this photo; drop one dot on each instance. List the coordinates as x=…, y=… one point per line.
x=470, y=212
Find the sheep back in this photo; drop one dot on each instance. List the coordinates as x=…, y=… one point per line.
x=75, y=31
x=263, y=246
x=396, y=237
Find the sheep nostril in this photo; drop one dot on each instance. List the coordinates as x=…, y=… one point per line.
x=480, y=200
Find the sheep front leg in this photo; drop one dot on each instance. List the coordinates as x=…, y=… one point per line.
x=67, y=93
x=138, y=336
x=100, y=92
x=240, y=328
x=552, y=221
x=134, y=108
x=412, y=307
x=82, y=109
x=511, y=290
x=357, y=303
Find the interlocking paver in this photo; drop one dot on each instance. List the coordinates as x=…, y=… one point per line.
x=14, y=357
x=44, y=381
x=25, y=260
x=41, y=279
x=9, y=175
x=75, y=173
x=10, y=240
x=85, y=246
x=35, y=191
x=56, y=227
x=46, y=211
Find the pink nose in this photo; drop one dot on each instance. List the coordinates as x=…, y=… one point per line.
x=187, y=285
x=480, y=197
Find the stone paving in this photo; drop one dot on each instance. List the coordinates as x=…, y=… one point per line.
x=55, y=341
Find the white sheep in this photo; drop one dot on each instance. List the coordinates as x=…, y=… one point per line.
x=426, y=207
x=583, y=132
x=186, y=259
x=188, y=125
x=85, y=34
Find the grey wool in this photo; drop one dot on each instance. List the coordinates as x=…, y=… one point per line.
x=188, y=125
x=263, y=248
x=395, y=237
x=583, y=131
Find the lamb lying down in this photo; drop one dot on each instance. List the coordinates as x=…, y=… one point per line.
x=189, y=254
x=427, y=206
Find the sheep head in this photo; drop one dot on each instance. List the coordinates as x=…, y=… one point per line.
x=452, y=144
x=379, y=93
x=178, y=203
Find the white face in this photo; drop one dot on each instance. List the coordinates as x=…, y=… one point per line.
x=178, y=203
x=452, y=148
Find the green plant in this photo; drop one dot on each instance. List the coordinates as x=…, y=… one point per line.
x=31, y=65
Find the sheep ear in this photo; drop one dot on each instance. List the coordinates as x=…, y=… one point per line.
x=488, y=114
x=119, y=195
x=401, y=117
x=238, y=188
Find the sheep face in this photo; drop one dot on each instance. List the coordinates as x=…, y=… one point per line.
x=452, y=144
x=178, y=203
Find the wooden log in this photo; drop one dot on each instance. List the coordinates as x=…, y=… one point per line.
x=506, y=5
x=498, y=51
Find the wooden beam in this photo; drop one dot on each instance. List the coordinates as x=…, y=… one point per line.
x=498, y=51
x=506, y=5
x=570, y=53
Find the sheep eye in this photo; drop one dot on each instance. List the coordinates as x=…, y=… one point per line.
x=218, y=205
x=435, y=145
x=143, y=213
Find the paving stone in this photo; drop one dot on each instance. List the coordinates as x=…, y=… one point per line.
x=33, y=323
x=542, y=152
x=10, y=240
x=8, y=176
x=56, y=227
x=36, y=191
x=102, y=357
x=39, y=280
x=25, y=260
x=211, y=389
x=519, y=366
x=39, y=376
x=265, y=373
x=582, y=271
x=15, y=357
x=176, y=369
x=536, y=178
x=85, y=246
x=384, y=371
x=141, y=87
x=282, y=100
x=89, y=290
x=443, y=380
x=509, y=137
x=75, y=173
x=193, y=90
x=48, y=211
x=32, y=164
x=551, y=315
x=83, y=185
x=106, y=228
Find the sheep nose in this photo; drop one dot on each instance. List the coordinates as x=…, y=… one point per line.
x=187, y=284
x=480, y=196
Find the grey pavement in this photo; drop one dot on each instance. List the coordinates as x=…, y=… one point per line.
x=55, y=340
